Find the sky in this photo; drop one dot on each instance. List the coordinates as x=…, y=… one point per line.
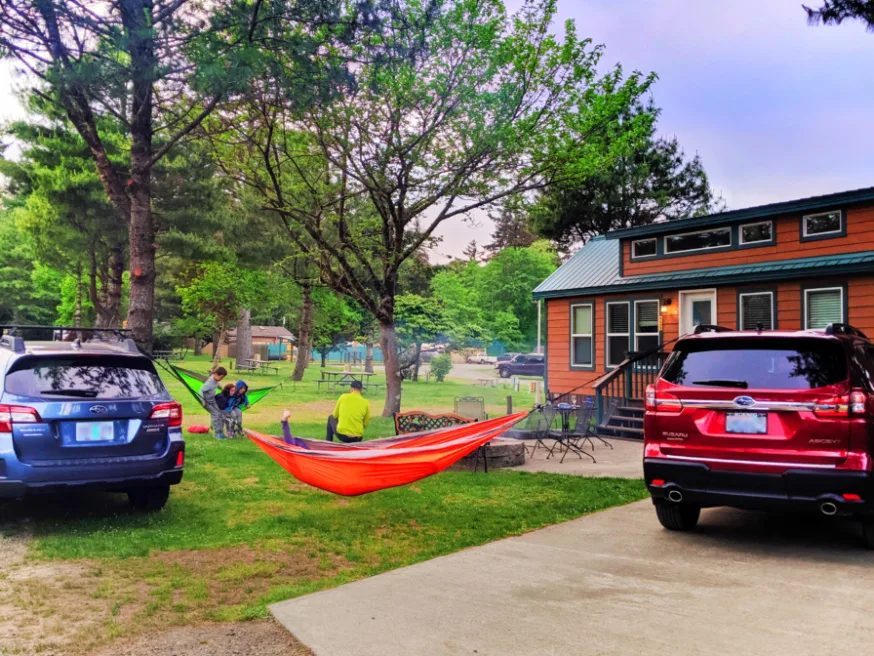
x=776, y=109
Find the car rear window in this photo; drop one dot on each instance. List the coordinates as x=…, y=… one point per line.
x=753, y=364
x=84, y=377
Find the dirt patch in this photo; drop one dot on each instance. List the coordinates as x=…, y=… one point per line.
x=234, y=639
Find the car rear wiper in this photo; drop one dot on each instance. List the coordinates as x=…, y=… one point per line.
x=88, y=394
x=742, y=384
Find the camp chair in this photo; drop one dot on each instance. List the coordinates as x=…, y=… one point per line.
x=473, y=407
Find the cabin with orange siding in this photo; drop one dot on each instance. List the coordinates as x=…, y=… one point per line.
x=795, y=265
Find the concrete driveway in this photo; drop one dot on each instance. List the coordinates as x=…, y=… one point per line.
x=613, y=583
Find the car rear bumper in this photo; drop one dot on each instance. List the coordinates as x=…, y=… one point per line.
x=795, y=489
x=15, y=489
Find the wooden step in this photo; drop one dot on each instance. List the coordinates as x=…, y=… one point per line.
x=624, y=429
x=628, y=420
x=638, y=412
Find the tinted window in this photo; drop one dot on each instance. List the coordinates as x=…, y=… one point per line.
x=754, y=232
x=644, y=248
x=767, y=364
x=535, y=359
x=89, y=377
x=818, y=224
x=695, y=241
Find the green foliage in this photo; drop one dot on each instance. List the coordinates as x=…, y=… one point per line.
x=335, y=320
x=418, y=319
x=642, y=178
x=441, y=366
x=493, y=302
x=218, y=291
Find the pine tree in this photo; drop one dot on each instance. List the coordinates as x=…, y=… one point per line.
x=511, y=230
x=471, y=251
x=835, y=12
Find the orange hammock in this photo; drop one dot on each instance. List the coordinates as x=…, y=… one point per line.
x=353, y=469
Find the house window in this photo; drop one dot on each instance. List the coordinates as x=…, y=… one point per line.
x=822, y=224
x=646, y=326
x=618, y=332
x=581, y=336
x=756, y=308
x=754, y=233
x=823, y=306
x=698, y=241
x=643, y=248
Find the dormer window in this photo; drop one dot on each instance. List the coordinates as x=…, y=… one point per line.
x=823, y=225
x=757, y=233
x=702, y=240
x=644, y=248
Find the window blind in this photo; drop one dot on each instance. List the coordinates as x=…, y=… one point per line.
x=824, y=307
x=757, y=309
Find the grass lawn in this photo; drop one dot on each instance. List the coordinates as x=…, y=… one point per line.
x=239, y=533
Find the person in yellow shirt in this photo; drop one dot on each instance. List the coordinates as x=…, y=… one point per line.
x=350, y=417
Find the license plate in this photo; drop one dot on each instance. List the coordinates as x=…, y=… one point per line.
x=746, y=422
x=95, y=431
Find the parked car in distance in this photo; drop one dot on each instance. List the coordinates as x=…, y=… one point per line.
x=481, y=359
x=767, y=420
x=93, y=415
x=532, y=364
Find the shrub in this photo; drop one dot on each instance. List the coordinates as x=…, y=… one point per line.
x=440, y=366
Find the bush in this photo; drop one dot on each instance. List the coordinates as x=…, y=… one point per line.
x=440, y=366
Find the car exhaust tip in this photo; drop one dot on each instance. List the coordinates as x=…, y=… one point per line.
x=828, y=508
x=676, y=496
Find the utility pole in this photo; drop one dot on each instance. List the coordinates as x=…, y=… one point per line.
x=539, y=323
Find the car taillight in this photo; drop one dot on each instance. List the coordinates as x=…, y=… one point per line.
x=14, y=414
x=663, y=402
x=853, y=404
x=172, y=412
x=180, y=458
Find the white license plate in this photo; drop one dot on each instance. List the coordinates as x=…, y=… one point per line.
x=95, y=431
x=751, y=423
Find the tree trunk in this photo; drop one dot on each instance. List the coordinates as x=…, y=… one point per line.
x=216, y=353
x=388, y=341
x=368, y=357
x=215, y=344
x=136, y=15
x=78, y=317
x=417, y=362
x=244, y=336
x=324, y=355
x=107, y=300
x=198, y=346
x=304, y=334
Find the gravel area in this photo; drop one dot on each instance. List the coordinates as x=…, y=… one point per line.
x=266, y=638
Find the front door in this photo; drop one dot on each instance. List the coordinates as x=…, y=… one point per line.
x=697, y=308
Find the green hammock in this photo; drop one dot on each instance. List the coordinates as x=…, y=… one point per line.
x=193, y=381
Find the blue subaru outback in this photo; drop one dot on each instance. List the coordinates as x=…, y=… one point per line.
x=86, y=415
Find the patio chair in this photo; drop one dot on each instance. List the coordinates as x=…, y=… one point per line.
x=583, y=430
x=539, y=425
x=472, y=407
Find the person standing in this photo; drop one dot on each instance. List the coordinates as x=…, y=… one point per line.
x=350, y=417
x=207, y=396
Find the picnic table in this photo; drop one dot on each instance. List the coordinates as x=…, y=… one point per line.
x=250, y=364
x=336, y=379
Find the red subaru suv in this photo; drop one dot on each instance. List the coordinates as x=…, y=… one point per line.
x=765, y=420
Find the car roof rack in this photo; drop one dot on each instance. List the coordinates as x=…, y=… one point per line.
x=13, y=341
x=844, y=329
x=710, y=328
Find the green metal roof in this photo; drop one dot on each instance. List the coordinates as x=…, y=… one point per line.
x=829, y=201
x=594, y=269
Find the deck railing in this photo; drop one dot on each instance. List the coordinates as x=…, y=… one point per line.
x=627, y=382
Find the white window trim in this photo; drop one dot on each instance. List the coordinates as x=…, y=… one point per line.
x=740, y=233
x=590, y=334
x=609, y=361
x=698, y=232
x=840, y=229
x=636, y=334
x=807, y=293
x=635, y=256
x=773, y=309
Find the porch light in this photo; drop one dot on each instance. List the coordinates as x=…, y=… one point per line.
x=665, y=303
